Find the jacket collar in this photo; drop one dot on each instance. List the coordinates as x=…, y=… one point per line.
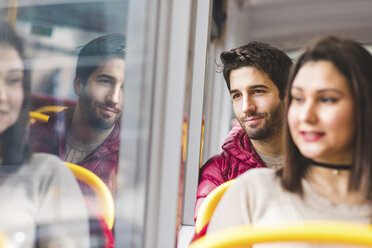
x=238, y=145
x=62, y=121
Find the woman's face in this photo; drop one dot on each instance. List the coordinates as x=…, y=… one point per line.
x=11, y=89
x=321, y=114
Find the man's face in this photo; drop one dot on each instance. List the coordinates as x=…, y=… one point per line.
x=101, y=99
x=256, y=102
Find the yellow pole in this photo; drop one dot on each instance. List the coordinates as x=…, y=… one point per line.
x=12, y=12
x=2, y=240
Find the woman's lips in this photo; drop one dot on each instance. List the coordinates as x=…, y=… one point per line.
x=3, y=113
x=311, y=135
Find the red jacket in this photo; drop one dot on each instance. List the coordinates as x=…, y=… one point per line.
x=237, y=156
x=50, y=137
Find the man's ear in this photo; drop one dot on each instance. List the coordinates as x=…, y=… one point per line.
x=78, y=85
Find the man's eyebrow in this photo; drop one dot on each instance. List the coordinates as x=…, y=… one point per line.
x=106, y=76
x=233, y=91
x=258, y=86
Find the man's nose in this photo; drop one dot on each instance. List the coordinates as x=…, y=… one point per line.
x=249, y=105
x=114, y=95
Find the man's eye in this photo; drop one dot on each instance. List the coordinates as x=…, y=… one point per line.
x=106, y=82
x=235, y=96
x=259, y=91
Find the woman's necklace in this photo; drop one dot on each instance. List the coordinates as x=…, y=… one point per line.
x=335, y=168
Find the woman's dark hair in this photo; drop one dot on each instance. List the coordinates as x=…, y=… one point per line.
x=354, y=62
x=272, y=61
x=14, y=149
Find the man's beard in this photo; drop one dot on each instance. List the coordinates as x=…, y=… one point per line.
x=88, y=110
x=272, y=126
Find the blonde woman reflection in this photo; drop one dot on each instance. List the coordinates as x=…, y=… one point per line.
x=327, y=173
x=41, y=203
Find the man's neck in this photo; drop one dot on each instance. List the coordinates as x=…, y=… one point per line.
x=271, y=147
x=83, y=132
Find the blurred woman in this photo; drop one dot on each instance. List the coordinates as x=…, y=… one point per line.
x=328, y=170
x=41, y=203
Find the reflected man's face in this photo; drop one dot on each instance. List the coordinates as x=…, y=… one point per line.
x=101, y=98
x=11, y=88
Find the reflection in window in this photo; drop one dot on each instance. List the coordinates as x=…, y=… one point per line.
x=75, y=105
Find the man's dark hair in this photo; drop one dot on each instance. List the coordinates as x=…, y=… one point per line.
x=97, y=51
x=354, y=62
x=272, y=61
x=14, y=149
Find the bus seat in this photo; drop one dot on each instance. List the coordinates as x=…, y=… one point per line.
x=106, y=202
x=209, y=205
x=314, y=232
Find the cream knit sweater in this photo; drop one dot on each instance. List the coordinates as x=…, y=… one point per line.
x=257, y=197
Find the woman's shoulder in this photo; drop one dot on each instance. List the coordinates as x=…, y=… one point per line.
x=259, y=175
x=44, y=158
x=257, y=181
x=47, y=164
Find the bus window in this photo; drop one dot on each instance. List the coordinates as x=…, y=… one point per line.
x=75, y=53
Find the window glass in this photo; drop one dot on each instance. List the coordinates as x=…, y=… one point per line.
x=62, y=96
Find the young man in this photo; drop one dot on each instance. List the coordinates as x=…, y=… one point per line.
x=88, y=134
x=256, y=76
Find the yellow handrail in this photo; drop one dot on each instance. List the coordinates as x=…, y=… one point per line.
x=35, y=116
x=99, y=187
x=312, y=232
x=209, y=205
x=38, y=114
x=50, y=109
